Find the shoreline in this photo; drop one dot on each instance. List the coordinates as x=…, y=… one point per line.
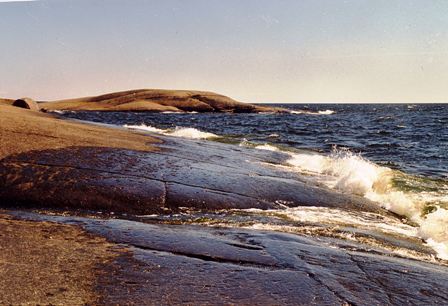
x=66, y=164
x=51, y=162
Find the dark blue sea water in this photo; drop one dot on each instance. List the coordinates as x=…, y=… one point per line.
x=412, y=138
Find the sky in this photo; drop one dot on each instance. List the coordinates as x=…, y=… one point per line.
x=251, y=50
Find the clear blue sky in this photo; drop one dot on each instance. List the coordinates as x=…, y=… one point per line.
x=252, y=50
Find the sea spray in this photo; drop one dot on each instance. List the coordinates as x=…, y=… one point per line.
x=342, y=170
x=434, y=229
x=350, y=173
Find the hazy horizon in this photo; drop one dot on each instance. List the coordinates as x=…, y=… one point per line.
x=310, y=51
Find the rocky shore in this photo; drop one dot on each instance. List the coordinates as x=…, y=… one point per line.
x=70, y=165
x=190, y=264
x=61, y=165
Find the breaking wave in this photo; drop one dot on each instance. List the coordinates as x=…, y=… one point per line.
x=184, y=132
x=348, y=172
x=324, y=112
x=60, y=112
x=191, y=133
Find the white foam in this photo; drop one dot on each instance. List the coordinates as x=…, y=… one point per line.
x=191, y=133
x=351, y=173
x=398, y=202
x=434, y=229
x=324, y=112
x=341, y=170
x=144, y=127
x=61, y=112
x=338, y=223
x=334, y=216
x=267, y=147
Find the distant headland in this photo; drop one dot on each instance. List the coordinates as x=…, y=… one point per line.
x=154, y=100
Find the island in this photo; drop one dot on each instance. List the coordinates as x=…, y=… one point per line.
x=158, y=100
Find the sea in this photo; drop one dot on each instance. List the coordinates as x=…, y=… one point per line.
x=393, y=154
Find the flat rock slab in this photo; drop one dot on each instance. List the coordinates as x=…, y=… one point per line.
x=188, y=264
x=182, y=173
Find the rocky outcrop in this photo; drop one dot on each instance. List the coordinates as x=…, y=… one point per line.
x=26, y=103
x=58, y=163
x=157, y=100
x=127, y=181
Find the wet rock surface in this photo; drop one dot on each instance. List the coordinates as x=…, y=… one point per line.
x=188, y=264
x=181, y=173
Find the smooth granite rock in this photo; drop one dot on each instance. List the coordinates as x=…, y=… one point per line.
x=190, y=264
x=182, y=173
x=27, y=103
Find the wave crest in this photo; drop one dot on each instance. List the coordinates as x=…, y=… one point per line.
x=190, y=133
x=321, y=112
x=343, y=170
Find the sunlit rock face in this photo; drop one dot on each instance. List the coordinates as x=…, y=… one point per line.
x=26, y=103
x=157, y=100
